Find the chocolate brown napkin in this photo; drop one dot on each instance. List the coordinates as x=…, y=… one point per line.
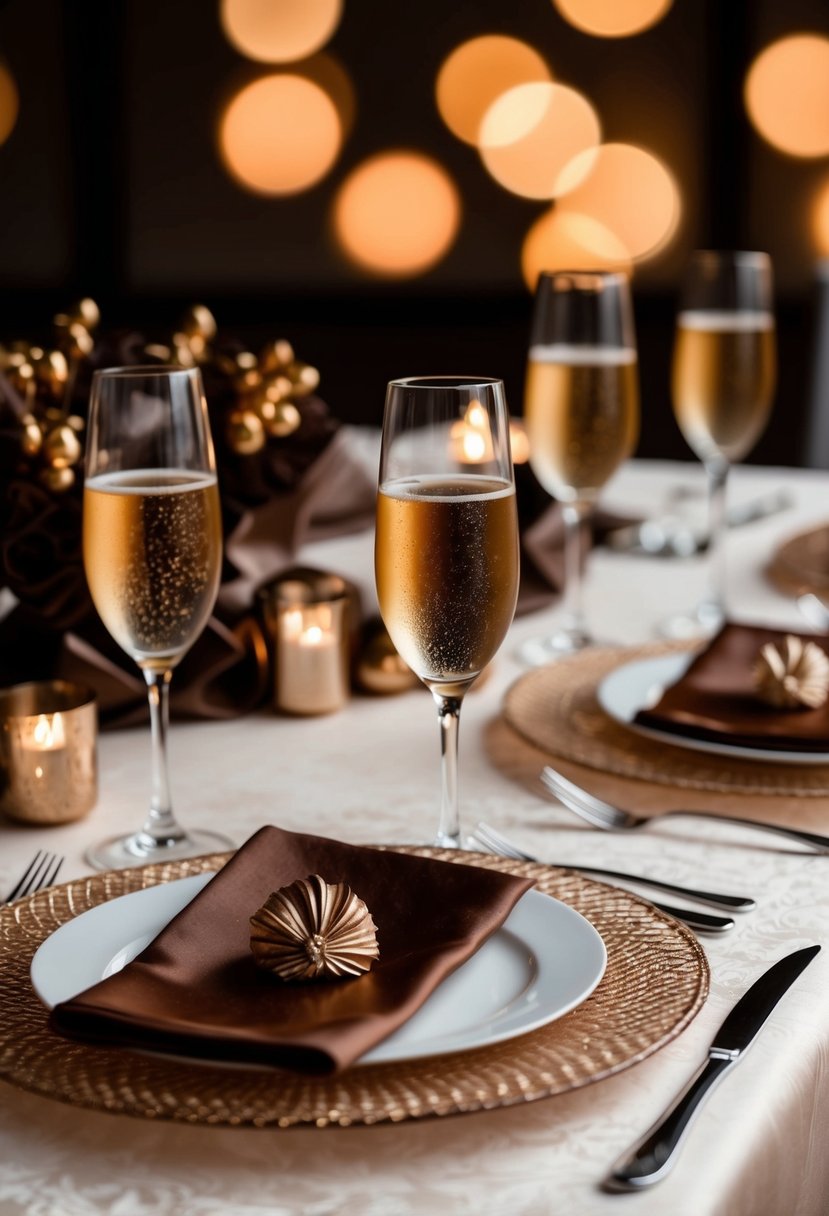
x=196, y=990
x=715, y=699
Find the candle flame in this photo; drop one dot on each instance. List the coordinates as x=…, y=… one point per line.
x=48, y=732
x=312, y=636
x=471, y=436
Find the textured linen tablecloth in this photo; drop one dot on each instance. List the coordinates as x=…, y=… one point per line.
x=370, y=774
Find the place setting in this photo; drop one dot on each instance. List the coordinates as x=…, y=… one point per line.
x=414, y=609
x=140, y=971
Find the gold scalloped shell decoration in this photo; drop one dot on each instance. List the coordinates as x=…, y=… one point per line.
x=313, y=930
x=793, y=675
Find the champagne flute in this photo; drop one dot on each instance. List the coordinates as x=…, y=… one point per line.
x=152, y=554
x=446, y=550
x=723, y=380
x=582, y=414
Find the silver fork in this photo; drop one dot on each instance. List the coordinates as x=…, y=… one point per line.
x=41, y=872
x=486, y=835
x=601, y=814
x=703, y=922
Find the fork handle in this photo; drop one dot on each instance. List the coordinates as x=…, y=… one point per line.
x=703, y=922
x=736, y=903
x=821, y=843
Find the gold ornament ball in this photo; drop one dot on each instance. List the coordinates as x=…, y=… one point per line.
x=61, y=447
x=380, y=669
x=245, y=432
x=52, y=370
x=278, y=388
x=199, y=322
x=86, y=312
x=305, y=378
x=285, y=421
x=31, y=441
x=57, y=479
x=79, y=342
x=21, y=376
x=182, y=354
x=276, y=355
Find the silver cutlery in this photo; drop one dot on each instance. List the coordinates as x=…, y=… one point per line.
x=655, y=1154
x=487, y=836
x=702, y=922
x=670, y=536
x=601, y=814
x=41, y=872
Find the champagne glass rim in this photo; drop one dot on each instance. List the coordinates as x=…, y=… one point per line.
x=603, y=276
x=739, y=256
x=446, y=382
x=145, y=370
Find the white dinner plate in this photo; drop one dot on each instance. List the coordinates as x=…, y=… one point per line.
x=543, y=961
x=639, y=685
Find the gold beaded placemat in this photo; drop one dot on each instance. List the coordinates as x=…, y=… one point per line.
x=655, y=982
x=556, y=709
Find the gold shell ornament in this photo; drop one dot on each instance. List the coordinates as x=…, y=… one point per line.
x=312, y=930
x=793, y=675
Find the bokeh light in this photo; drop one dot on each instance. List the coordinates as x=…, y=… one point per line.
x=613, y=18
x=530, y=133
x=279, y=31
x=568, y=241
x=627, y=190
x=397, y=214
x=787, y=94
x=327, y=71
x=280, y=135
x=479, y=71
x=9, y=103
x=820, y=219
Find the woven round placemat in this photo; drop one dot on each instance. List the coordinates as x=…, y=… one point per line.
x=655, y=982
x=556, y=709
x=801, y=563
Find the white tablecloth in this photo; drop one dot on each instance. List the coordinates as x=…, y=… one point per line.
x=370, y=774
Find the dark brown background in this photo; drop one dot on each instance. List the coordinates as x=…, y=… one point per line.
x=110, y=185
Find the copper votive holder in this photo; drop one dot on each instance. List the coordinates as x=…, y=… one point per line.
x=308, y=618
x=48, y=752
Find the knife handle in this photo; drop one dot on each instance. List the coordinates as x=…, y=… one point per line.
x=655, y=1154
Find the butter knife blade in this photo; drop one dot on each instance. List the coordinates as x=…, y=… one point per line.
x=655, y=1154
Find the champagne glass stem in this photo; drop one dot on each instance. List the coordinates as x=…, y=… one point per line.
x=449, y=713
x=714, y=603
x=161, y=826
x=575, y=514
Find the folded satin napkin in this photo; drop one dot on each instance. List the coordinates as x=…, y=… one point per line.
x=715, y=699
x=196, y=990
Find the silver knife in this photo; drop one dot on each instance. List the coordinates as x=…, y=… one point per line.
x=656, y=1153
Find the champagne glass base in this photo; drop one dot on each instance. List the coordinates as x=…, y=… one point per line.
x=139, y=849
x=535, y=652
x=702, y=622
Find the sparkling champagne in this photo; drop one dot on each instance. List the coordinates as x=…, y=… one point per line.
x=446, y=561
x=582, y=414
x=152, y=554
x=723, y=380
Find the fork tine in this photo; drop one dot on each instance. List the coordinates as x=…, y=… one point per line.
x=595, y=815
x=18, y=890
x=41, y=873
x=583, y=796
x=51, y=878
x=36, y=879
x=497, y=843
